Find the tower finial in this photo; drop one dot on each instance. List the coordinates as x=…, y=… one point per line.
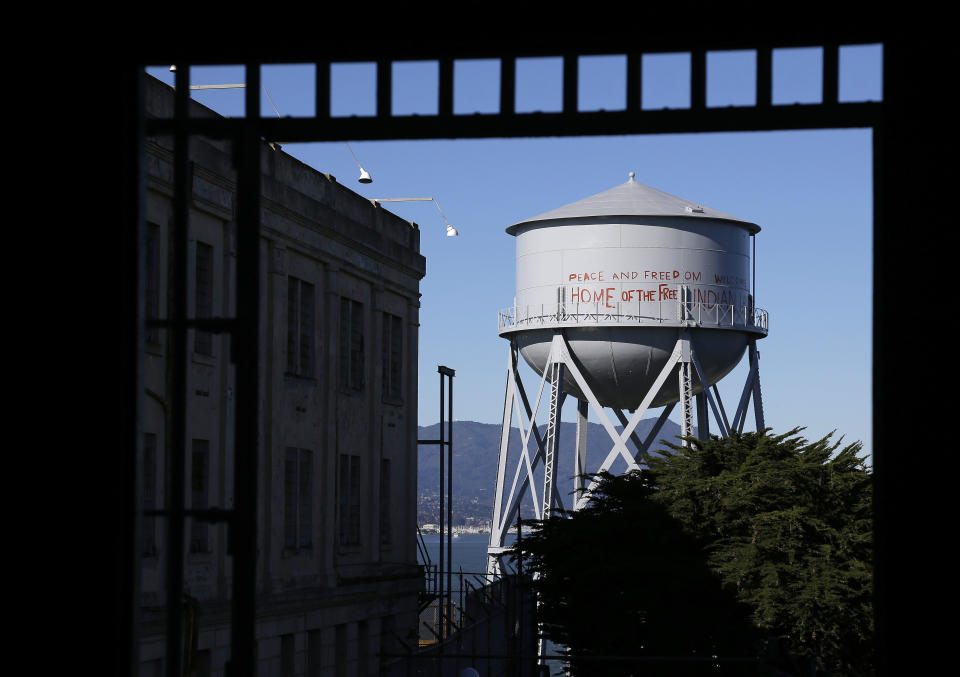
x=632, y=174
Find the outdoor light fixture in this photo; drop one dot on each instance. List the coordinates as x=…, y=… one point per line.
x=451, y=231
x=364, y=174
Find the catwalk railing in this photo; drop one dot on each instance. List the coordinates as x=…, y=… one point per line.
x=643, y=313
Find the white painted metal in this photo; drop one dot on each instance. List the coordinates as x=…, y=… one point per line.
x=550, y=496
x=630, y=299
x=757, y=398
x=619, y=267
x=751, y=387
x=686, y=390
x=683, y=359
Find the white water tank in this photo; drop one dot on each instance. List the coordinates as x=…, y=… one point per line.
x=620, y=273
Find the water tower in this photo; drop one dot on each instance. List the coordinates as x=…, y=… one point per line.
x=629, y=299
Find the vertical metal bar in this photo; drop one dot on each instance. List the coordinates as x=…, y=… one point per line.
x=518, y=595
x=764, y=76
x=698, y=79
x=449, y=490
x=580, y=453
x=831, y=77
x=127, y=528
x=384, y=88
x=686, y=390
x=757, y=396
x=508, y=85
x=703, y=416
x=634, y=82
x=519, y=544
x=445, y=88
x=243, y=527
x=741, y=413
x=178, y=390
x=888, y=526
x=440, y=562
x=550, y=450
x=322, y=108
x=570, y=68
x=497, y=528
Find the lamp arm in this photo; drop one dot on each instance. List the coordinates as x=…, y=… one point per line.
x=444, y=216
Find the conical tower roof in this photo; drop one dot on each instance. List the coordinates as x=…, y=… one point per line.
x=633, y=199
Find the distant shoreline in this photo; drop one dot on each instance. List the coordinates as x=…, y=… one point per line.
x=458, y=531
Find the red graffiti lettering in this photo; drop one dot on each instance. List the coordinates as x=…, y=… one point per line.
x=667, y=293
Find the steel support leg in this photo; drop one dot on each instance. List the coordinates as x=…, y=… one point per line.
x=496, y=537
x=686, y=391
x=553, y=429
x=580, y=453
x=757, y=397
x=560, y=365
x=703, y=417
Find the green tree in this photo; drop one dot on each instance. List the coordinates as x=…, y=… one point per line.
x=717, y=549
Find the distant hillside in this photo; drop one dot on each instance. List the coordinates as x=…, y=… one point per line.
x=476, y=447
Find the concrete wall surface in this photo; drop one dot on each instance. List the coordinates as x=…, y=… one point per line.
x=337, y=572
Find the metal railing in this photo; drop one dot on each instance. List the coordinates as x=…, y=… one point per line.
x=642, y=313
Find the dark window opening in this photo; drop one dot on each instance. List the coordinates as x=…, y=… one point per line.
x=298, y=499
x=300, y=327
x=286, y=655
x=348, y=499
x=392, y=357
x=351, y=345
x=200, y=494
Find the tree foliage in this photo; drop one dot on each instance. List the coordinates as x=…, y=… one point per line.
x=723, y=548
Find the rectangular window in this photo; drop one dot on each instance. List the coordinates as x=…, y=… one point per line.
x=204, y=297
x=149, y=493
x=300, y=331
x=199, y=493
x=305, y=504
x=340, y=651
x=152, y=275
x=348, y=488
x=351, y=345
x=286, y=655
x=392, y=357
x=385, y=507
x=298, y=499
x=363, y=648
x=314, y=653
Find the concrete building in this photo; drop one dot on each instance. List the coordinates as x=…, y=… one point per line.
x=338, y=578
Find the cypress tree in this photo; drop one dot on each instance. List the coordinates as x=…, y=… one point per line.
x=727, y=547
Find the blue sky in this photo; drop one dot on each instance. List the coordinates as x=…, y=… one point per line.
x=809, y=191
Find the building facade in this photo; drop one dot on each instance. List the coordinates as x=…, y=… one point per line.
x=339, y=301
